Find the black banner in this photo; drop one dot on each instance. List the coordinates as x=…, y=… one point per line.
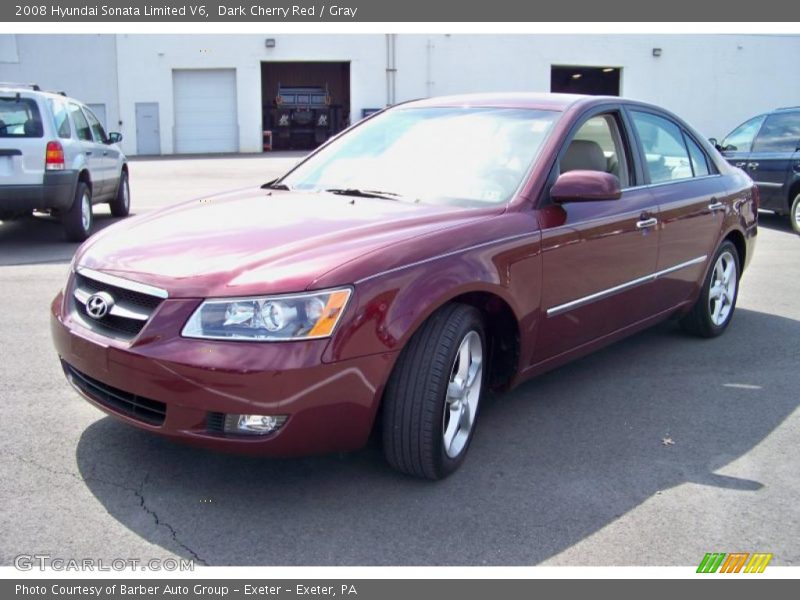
x=393, y=11
x=376, y=589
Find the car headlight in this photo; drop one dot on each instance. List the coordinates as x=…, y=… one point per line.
x=269, y=318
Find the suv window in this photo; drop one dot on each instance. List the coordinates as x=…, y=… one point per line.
x=20, y=118
x=780, y=133
x=97, y=128
x=597, y=146
x=667, y=158
x=60, y=119
x=741, y=138
x=81, y=124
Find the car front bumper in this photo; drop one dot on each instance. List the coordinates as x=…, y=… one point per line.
x=56, y=191
x=331, y=406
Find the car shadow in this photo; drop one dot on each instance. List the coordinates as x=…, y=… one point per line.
x=40, y=239
x=774, y=221
x=552, y=462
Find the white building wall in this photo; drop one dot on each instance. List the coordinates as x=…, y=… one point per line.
x=83, y=66
x=146, y=63
x=714, y=81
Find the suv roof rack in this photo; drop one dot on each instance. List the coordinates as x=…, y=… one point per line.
x=60, y=93
x=10, y=84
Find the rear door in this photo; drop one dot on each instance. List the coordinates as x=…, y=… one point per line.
x=92, y=151
x=22, y=143
x=773, y=155
x=690, y=196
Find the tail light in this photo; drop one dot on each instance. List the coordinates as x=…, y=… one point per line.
x=756, y=198
x=54, y=157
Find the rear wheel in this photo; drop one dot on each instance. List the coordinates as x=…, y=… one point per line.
x=78, y=219
x=121, y=204
x=433, y=396
x=712, y=312
x=794, y=214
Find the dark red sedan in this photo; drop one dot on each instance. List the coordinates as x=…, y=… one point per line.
x=433, y=250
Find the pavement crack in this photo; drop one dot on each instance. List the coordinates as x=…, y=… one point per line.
x=137, y=492
x=161, y=523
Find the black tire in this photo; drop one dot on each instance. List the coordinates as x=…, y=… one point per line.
x=794, y=214
x=121, y=204
x=76, y=227
x=700, y=320
x=415, y=400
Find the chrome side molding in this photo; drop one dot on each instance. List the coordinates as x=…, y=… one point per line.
x=573, y=304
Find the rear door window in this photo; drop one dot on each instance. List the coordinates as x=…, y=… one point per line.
x=82, y=128
x=699, y=159
x=60, y=119
x=20, y=118
x=780, y=133
x=667, y=158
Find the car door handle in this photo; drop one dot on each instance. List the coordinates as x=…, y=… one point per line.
x=741, y=164
x=645, y=223
x=105, y=152
x=88, y=153
x=752, y=166
x=715, y=206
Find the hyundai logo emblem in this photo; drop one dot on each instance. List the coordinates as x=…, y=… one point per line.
x=98, y=305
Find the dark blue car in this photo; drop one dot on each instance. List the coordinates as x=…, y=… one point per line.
x=767, y=147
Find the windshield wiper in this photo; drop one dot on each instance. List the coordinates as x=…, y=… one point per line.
x=272, y=185
x=364, y=193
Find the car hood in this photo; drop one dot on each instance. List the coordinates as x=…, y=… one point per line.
x=257, y=241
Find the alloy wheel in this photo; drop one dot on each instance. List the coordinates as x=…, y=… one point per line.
x=463, y=394
x=723, y=289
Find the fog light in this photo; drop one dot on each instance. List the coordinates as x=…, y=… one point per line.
x=253, y=424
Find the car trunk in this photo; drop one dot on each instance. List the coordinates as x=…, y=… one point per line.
x=22, y=143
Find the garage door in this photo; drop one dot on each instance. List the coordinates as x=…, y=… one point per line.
x=205, y=110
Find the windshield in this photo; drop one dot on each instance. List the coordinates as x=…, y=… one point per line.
x=462, y=156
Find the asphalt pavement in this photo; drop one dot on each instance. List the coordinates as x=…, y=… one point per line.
x=652, y=451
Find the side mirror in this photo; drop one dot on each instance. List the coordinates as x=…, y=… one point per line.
x=714, y=142
x=585, y=186
x=114, y=137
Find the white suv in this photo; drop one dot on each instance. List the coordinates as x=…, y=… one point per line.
x=56, y=157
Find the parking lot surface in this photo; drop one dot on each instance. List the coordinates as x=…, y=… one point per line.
x=652, y=451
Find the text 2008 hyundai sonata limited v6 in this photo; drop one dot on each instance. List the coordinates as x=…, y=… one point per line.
x=438, y=248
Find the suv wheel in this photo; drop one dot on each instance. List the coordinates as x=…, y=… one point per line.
x=433, y=396
x=794, y=214
x=78, y=219
x=121, y=204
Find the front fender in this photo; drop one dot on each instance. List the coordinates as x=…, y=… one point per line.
x=388, y=308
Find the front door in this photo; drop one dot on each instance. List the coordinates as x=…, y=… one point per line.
x=598, y=256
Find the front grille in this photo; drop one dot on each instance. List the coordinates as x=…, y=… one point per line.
x=131, y=309
x=142, y=409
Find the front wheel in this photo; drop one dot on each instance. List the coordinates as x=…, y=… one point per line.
x=794, y=214
x=433, y=396
x=121, y=204
x=712, y=312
